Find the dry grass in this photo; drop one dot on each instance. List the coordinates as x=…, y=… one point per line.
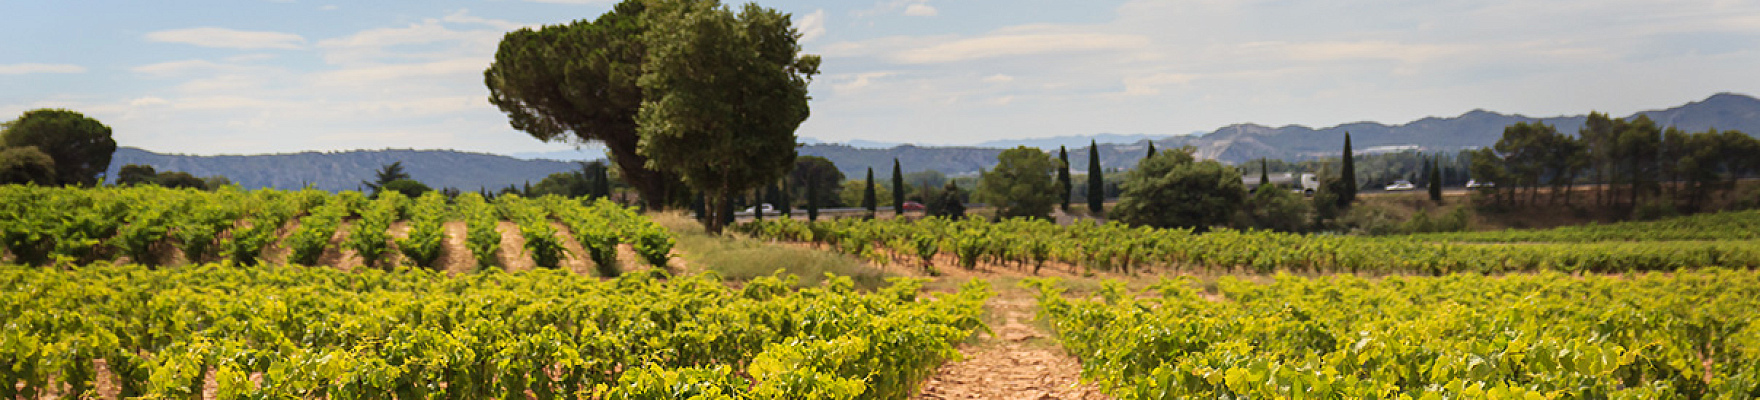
x=737, y=257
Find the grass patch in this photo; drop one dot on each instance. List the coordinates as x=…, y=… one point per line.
x=737, y=257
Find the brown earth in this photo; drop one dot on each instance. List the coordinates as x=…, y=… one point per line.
x=512, y=256
x=1018, y=361
x=454, y=257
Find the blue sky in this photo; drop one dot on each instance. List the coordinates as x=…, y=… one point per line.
x=243, y=76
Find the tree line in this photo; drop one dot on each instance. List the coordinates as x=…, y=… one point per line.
x=1631, y=162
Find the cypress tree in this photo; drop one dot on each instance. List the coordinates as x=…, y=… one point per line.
x=602, y=185
x=1062, y=176
x=1348, y=175
x=784, y=199
x=897, y=190
x=1435, y=181
x=1151, y=149
x=757, y=204
x=700, y=205
x=1096, y=180
x=812, y=200
x=868, y=200
x=727, y=210
x=1264, y=173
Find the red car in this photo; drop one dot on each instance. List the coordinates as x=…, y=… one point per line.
x=913, y=206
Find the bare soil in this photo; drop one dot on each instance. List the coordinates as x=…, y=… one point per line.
x=513, y=255
x=455, y=258
x=1018, y=361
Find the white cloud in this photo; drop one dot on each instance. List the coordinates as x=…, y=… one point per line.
x=367, y=76
x=464, y=17
x=171, y=68
x=1018, y=45
x=851, y=83
x=148, y=101
x=35, y=68
x=328, y=7
x=920, y=10
x=999, y=78
x=425, y=41
x=912, y=8
x=229, y=38
x=811, y=26
x=572, y=1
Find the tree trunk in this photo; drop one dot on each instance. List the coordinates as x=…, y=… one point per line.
x=653, y=185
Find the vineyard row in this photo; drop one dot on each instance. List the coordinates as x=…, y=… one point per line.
x=41, y=226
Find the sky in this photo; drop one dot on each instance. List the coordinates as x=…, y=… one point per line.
x=256, y=76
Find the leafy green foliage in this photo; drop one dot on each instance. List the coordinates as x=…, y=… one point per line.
x=324, y=333
x=80, y=146
x=427, y=230
x=1683, y=335
x=1021, y=185
x=724, y=93
x=542, y=243
x=1171, y=190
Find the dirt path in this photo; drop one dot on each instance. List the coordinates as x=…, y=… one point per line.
x=1020, y=361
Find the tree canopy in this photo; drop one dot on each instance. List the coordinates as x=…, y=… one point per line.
x=724, y=94
x=824, y=177
x=80, y=147
x=578, y=83
x=1171, y=190
x=1021, y=185
x=22, y=165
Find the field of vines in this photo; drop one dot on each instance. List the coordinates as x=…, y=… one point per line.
x=1683, y=335
x=1737, y=225
x=1035, y=244
x=144, y=225
x=274, y=332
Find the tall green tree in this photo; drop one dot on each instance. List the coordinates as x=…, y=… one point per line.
x=1435, y=179
x=390, y=172
x=869, y=200
x=1063, y=183
x=1599, y=134
x=812, y=200
x=81, y=147
x=1151, y=150
x=1096, y=181
x=1173, y=190
x=1347, y=175
x=724, y=93
x=1264, y=173
x=578, y=83
x=897, y=190
x=1021, y=184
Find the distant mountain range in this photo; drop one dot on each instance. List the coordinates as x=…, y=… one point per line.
x=1232, y=144
x=344, y=170
x=1240, y=143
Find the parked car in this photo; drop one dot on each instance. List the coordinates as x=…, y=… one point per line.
x=1401, y=185
x=766, y=206
x=1478, y=184
x=913, y=206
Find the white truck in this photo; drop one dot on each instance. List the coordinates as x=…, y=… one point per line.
x=1306, y=184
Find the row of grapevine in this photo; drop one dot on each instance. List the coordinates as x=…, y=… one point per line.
x=1737, y=225
x=542, y=244
x=427, y=230
x=482, y=237
x=41, y=225
x=290, y=332
x=1031, y=244
x=1682, y=335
